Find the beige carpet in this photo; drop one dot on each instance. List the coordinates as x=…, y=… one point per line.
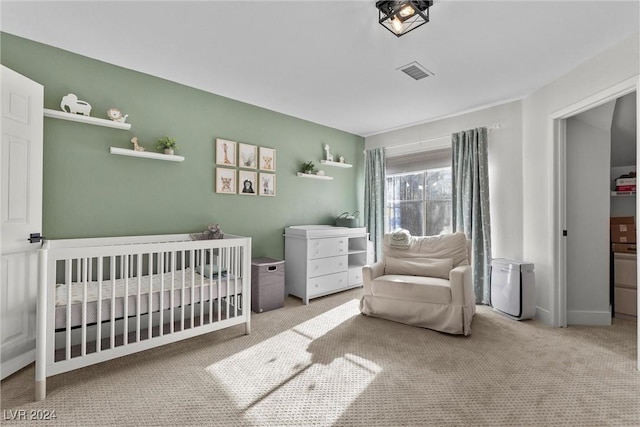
x=325, y=364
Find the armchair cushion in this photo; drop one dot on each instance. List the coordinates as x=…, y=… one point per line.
x=418, y=266
x=412, y=288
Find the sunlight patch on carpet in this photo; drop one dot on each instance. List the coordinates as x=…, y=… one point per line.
x=290, y=378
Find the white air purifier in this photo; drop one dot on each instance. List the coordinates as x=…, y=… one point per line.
x=513, y=288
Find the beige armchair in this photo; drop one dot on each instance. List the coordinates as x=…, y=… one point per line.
x=426, y=283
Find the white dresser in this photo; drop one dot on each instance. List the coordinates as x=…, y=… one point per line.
x=322, y=259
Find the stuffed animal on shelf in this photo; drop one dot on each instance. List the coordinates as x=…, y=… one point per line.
x=136, y=147
x=115, y=115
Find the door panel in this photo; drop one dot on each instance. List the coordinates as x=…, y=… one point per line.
x=20, y=215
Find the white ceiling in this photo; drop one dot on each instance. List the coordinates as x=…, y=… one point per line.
x=330, y=62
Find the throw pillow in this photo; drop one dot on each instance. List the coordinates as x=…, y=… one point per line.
x=427, y=267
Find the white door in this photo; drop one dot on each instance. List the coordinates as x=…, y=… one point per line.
x=21, y=194
x=588, y=169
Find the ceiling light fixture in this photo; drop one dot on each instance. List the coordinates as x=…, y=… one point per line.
x=402, y=16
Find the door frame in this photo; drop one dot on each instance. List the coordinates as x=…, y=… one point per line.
x=557, y=131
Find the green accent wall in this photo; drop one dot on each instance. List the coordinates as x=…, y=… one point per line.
x=89, y=192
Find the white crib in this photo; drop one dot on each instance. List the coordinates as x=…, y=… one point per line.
x=103, y=298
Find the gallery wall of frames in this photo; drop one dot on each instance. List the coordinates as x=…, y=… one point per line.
x=245, y=169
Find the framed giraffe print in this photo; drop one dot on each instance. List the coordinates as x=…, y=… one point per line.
x=225, y=152
x=267, y=159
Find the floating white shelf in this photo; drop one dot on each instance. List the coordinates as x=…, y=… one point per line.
x=337, y=164
x=309, y=175
x=85, y=119
x=146, y=154
x=623, y=193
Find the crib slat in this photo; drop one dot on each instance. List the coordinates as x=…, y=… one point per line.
x=171, y=296
x=125, y=323
x=220, y=262
x=203, y=261
x=182, y=305
x=150, y=298
x=138, y=308
x=68, y=265
x=112, y=277
x=162, y=267
x=192, y=254
x=83, y=342
x=99, y=307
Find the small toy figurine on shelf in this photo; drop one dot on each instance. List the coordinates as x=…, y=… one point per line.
x=71, y=104
x=136, y=147
x=115, y=115
x=341, y=159
x=329, y=155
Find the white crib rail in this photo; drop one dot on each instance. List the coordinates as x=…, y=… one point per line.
x=125, y=315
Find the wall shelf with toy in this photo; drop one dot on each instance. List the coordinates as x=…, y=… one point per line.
x=336, y=164
x=145, y=154
x=76, y=110
x=85, y=119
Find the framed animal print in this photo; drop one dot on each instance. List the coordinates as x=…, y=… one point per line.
x=267, y=182
x=267, y=159
x=247, y=156
x=225, y=181
x=225, y=152
x=247, y=183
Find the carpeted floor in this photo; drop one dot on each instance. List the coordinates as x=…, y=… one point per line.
x=325, y=364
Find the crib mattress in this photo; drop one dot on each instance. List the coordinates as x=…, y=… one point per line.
x=202, y=289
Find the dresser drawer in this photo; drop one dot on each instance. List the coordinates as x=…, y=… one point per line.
x=355, y=276
x=626, y=301
x=323, y=266
x=320, y=248
x=326, y=284
x=624, y=269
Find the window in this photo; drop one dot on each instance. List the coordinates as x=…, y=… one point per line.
x=419, y=202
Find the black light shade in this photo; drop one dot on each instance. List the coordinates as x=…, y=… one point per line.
x=402, y=16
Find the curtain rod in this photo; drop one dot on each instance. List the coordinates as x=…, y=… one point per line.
x=437, y=138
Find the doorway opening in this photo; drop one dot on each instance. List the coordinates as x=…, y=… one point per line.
x=559, y=128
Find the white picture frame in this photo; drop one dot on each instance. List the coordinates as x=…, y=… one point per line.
x=247, y=183
x=225, y=152
x=267, y=159
x=226, y=181
x=247, y=156
x=267, y=184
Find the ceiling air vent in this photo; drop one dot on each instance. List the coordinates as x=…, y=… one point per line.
x=415, y=71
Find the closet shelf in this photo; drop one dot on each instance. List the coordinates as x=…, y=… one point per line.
x=146, y=154
x=308, y=175
x=63, y=115
x=623, y=193
x=337, y=164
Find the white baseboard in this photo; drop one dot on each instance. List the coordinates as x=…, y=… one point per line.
x=589, y=318
x=17, y=363
x=544, y=316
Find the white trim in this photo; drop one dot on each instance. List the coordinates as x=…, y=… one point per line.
x=543, y=315
x=11, y=366
x=558, y=208
x=589, y=318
